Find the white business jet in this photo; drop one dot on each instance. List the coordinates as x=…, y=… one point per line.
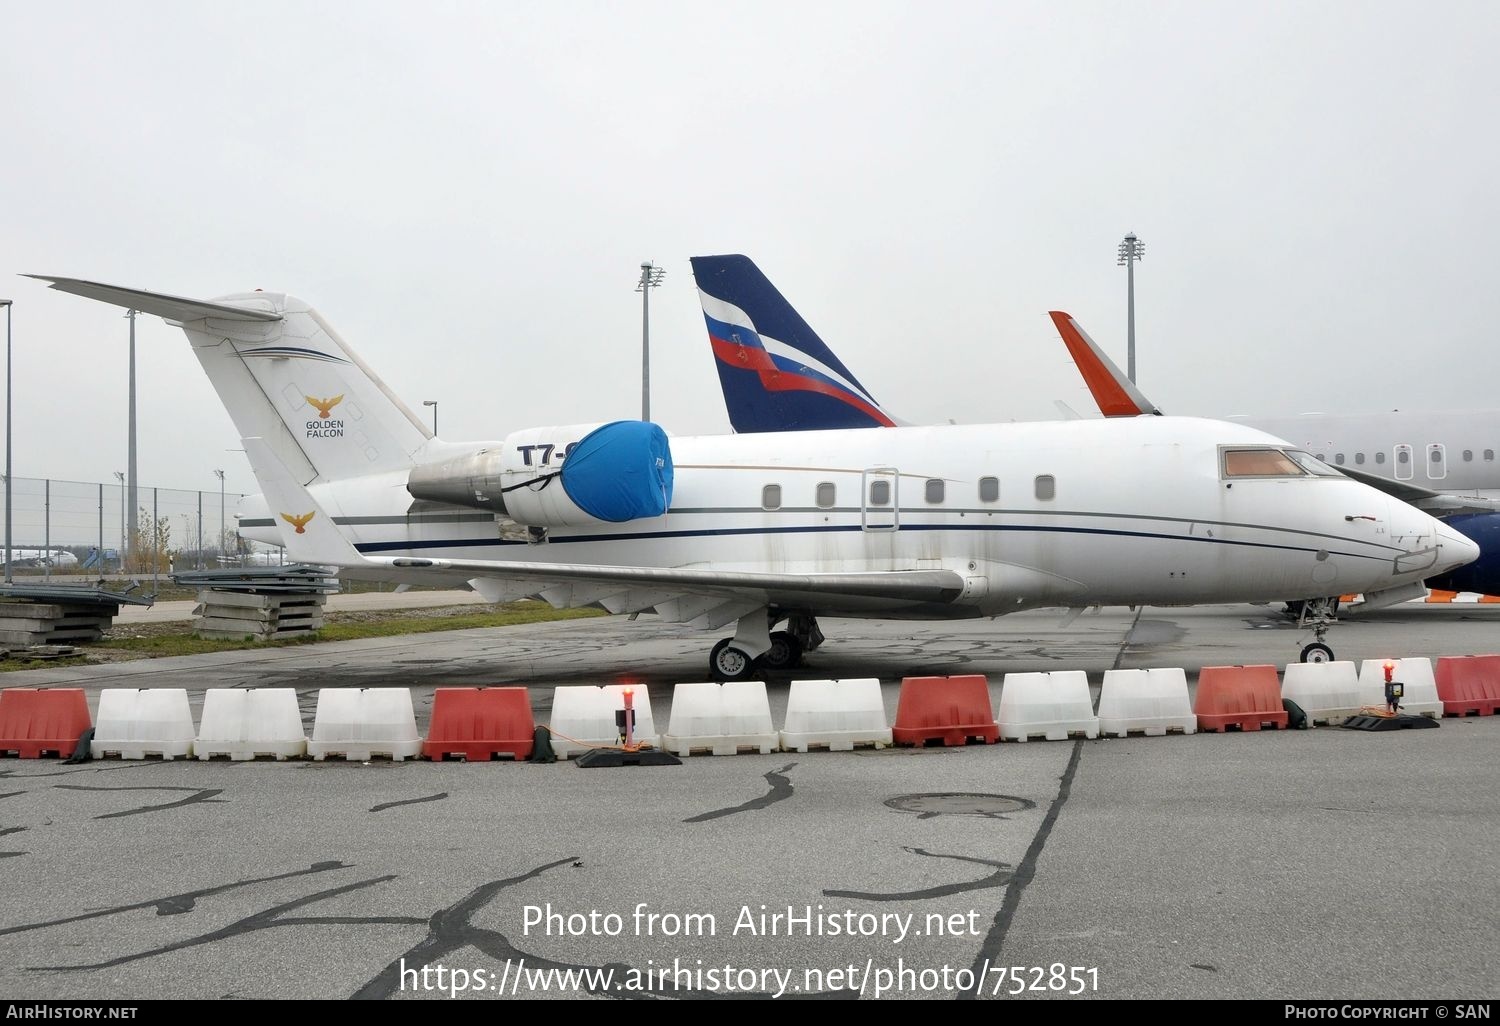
x=764, y=529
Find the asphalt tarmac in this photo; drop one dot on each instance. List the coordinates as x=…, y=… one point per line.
x=1327, y=864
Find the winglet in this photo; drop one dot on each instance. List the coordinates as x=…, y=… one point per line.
x=1116, y=394
x=309, y=533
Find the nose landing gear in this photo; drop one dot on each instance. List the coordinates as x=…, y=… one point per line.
x=1319, y=615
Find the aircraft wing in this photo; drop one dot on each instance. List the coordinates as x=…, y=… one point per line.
x=1440, y=504
x=703, y=596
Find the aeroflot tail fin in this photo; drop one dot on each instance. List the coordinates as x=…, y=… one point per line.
x=1115, y=393
x=285, y=377
x=776, y=373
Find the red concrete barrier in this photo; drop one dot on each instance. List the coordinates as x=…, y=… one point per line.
x=1468, y=685
x=952, y=710
x=480, y=723
x=1247, y=697
x=35, y=723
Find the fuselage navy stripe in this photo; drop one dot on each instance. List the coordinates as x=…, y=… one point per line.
x=452, y=543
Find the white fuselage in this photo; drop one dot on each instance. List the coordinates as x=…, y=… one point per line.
x=1069, y=513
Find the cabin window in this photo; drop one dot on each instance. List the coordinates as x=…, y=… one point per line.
x=880, y=493
x=1339, y=459
x=989, y=489
x=1468, y=455
x=1046, y=487
x=770, y=497
x=825, y=495
x=1403, y=457
x=1489, y=455
x=1259, y=463
x=934, y=490
x=1359, y=458
x=1380, y=457
x=1322, y=455
x=1436, y=455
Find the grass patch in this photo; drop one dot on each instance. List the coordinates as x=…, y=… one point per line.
x=12, y=665
x=509, y=616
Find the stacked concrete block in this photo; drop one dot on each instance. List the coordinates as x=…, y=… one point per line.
x=264, y=617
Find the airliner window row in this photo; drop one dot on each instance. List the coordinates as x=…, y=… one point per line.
x=1435, y=455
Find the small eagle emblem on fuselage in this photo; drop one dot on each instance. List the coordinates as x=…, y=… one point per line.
x=300, y=523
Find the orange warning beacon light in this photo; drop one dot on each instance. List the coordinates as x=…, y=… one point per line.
x=1389, y=668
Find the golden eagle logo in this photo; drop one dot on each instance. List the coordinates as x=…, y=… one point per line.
x=325, y=406
x=300, y=523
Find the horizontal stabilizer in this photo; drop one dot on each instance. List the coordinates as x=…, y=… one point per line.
x=173, y=308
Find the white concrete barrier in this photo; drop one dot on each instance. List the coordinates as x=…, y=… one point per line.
x=1051, y=705
x=136, y=723
x=1420, y=696
x=835, y=714
x=247, y=724
x=1151, y=702
x=586, y=715
x=360, y=723
x=1327, y=692
x=720, y=718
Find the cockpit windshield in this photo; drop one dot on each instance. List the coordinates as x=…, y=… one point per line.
x=1268, y=462
x=1310, y=463
x=1260, y=463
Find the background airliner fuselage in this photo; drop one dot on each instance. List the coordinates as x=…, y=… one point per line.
x=1457, y=452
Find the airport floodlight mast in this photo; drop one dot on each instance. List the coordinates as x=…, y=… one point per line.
x=130, y=465
x=1131, y=250
x=433, y=403
x=8, y=489
x=651, y=277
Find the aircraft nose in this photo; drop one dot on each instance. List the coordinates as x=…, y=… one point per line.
x=1454, y=550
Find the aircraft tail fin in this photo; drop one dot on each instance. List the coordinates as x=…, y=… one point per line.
x=776, y=373
x=1115, y=393
x=287, y=378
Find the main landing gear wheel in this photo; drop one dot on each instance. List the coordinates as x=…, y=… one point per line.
x=785, y=652
x=726, y=662
x=1317, y=652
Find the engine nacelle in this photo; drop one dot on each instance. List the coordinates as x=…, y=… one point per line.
x=560, y=476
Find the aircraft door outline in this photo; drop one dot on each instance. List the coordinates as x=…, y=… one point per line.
x=880, y=499
x=1437, y=461
x=1402, y=458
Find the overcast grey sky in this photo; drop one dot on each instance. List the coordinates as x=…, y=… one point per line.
x=466, y=191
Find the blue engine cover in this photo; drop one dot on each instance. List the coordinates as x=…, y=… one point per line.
x=621, y=471
x=1482, y=575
